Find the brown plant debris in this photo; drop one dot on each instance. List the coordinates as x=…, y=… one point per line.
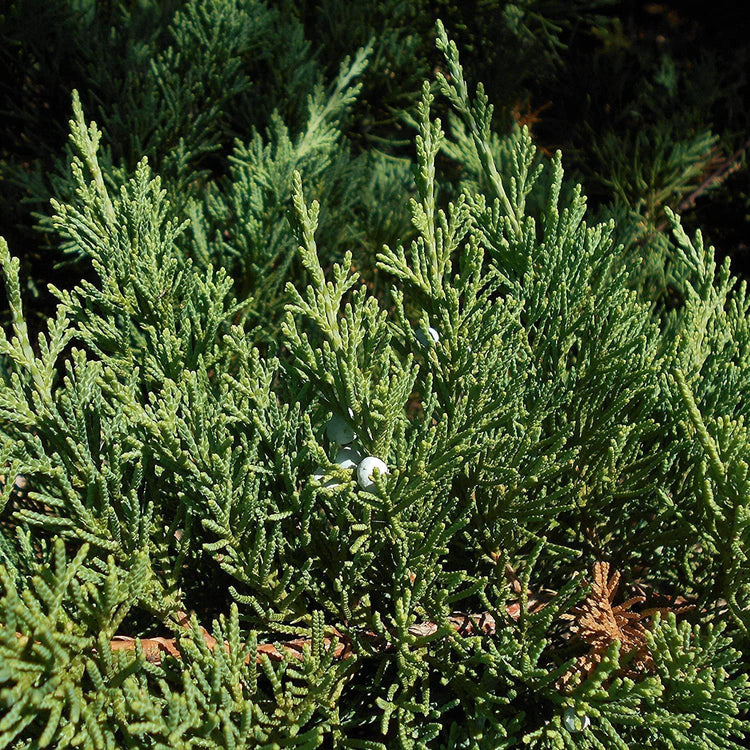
x=599, y=622
x=535, y=600
x=154, y=649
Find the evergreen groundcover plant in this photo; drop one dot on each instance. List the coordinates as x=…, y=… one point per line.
x=497, y=499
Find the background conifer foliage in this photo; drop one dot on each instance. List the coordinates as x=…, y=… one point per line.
x=331, y=415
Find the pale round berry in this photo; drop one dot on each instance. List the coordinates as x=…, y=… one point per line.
x=422, y=337
x=365, y=471
x=320, y=473
x=339, y=430
x=348, y=457
x=575, y=723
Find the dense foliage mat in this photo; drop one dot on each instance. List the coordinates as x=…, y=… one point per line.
x=487, y=491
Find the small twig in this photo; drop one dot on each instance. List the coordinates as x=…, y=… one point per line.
x=716, y=177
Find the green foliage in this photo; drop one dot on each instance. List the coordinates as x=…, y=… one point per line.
x=67, y=686
x=535, y=411
x=226, y=99
x=691, y=701
x=657, y=127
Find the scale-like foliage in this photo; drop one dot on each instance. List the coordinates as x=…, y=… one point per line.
x=390, y=517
